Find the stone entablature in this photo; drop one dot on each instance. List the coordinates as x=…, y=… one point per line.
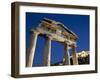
x=57, y=30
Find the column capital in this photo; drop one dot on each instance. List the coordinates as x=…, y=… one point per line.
x=66, y=42
x=34, y=31
x=73, y=45
x=49, y=36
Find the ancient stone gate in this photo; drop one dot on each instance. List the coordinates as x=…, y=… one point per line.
x=52, y=30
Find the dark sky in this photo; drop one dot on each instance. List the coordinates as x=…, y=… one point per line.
x=79, y=24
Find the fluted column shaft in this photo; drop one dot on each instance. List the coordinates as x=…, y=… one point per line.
x=66, y=55
x=31, y=53
x=74, y=56
x=47, y=52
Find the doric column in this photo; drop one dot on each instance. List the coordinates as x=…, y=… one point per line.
x=74, y=56
x=66, y=55
x=31, y=52
x=47, y=52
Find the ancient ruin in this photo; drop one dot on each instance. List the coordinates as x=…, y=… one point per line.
x=53, y=30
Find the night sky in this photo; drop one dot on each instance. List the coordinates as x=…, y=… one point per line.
x=79, y=24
